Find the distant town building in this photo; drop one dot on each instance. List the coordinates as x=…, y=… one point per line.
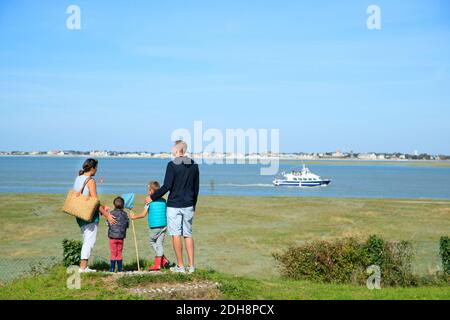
x=98, y=153
x=367, y=156
x=338, y=154
x=55, y=153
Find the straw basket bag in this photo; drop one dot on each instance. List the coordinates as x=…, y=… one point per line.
x=81, y=206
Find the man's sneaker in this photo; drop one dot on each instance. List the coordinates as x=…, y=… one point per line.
x=191, y=269
x=177, y=269
x=87, y=270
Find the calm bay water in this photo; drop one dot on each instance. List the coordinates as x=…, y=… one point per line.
x=56, y=175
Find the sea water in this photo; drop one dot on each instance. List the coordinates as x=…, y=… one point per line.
x=122, y=175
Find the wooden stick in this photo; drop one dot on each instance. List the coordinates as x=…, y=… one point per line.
x=135, y=242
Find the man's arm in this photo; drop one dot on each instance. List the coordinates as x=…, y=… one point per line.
x=168, y=182
x=196, y=186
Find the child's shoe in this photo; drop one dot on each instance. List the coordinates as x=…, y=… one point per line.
x=156, y=264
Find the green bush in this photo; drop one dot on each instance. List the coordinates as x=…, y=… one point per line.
x=345, y=261
x=444, y=251
x=373, y=250
x=71, y=252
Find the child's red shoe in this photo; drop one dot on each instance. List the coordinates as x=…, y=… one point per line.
x=156, y=264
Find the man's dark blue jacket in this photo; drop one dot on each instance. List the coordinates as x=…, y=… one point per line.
x=182, y=180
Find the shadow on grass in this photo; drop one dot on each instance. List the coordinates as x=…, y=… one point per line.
x=102, y=264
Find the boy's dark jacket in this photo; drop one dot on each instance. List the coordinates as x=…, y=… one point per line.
x=118, y=230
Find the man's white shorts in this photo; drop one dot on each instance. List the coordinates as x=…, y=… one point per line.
x=179, y=221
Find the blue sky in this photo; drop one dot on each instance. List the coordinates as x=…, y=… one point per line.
x=138, y=70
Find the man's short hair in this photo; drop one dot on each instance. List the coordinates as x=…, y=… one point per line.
x=179, y=147
x=119, y=203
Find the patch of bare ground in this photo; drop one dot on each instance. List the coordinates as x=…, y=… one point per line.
x=195, y=290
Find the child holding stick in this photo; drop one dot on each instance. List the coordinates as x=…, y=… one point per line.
x=157, y=223
x=117, y=233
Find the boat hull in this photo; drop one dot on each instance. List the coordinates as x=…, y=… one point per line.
x=287, y=183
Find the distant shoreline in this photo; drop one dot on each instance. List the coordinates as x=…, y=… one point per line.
x=283, y=160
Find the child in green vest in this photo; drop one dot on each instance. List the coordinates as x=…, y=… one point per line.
x=157, y=223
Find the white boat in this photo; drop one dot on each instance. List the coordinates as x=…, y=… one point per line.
x=301, y=178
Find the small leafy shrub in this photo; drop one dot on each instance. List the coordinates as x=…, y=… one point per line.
x=100, y=265
x=373, y=250
x=71, y=252
x=444, y=252
x=320, y=261
x=345, y=261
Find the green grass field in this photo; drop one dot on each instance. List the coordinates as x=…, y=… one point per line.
x=236, y=237
x=52, y=285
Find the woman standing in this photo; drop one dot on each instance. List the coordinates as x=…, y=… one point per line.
x=89, y=229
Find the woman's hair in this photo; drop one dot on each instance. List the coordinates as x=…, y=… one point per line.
x=88, y=165
x=154, y=185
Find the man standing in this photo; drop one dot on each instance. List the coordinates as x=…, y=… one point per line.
x=182, y=181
